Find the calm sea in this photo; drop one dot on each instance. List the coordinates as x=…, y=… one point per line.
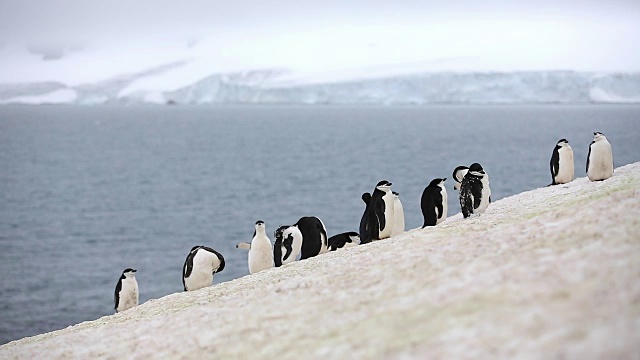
x=88, y=191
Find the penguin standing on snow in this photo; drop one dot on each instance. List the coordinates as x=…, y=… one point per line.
x=398, y=215
x=561, y=163
x=199, y=267
x=458, y=175
x=260, y=253
x=126, y=294
x=475, y=194
x=307, y=237
x=377, y=220
x=344, y=240
x=600, y=158
x=434, y=203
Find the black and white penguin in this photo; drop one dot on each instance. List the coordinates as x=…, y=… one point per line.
x=434, y=203
x=260, y=252
x=288, y=245
x=307, y=237
x=458, y=175
x=561, y=163
x=126, y=294
x=344, y=240
x=377, y=220
x=199, y=267
x=600, y=158
x=475, y=194
x=398, y=215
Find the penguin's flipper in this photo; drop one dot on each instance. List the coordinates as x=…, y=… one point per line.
x=438, y=203
x=382, y=222
x=287, y=243
x=243, y=245
x=589, y=155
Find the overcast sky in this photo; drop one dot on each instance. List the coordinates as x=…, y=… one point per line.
x=331, y=34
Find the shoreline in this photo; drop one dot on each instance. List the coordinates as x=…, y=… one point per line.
x=550, y=272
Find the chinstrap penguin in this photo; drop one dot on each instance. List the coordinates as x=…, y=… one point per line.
x=458, y=175
x=398, y=215
x=377, y=220
x=260, y=252
x=307, y=237
x=561, y=163
x=344, y=240
x=434, y=203
x=600, y=158
x=126, y=294
x=288, y=244
x=475, y=194
x=199, y=267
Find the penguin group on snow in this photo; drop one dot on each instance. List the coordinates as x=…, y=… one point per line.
x=383, y=218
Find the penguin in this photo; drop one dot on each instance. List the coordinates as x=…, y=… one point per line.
x=260, y=252
x=126, y=294
x=377, y=220
x=398, y=215
x=434, y=203
x=458, y=175
x=475, y=194
x=307, y=237
x=199, y=267
x=561, y=163
x=344, y=240
x=288, y=245
x=600, y=158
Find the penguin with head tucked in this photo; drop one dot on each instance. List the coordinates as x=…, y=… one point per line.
x=458, y=175
x=344, y=240
x=199, y=267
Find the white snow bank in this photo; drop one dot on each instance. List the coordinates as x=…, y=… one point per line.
x=547, y=273
x=61, y=96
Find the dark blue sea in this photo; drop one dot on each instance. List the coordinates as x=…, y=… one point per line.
x=88, y=191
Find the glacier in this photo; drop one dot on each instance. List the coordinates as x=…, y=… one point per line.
x=273, y=86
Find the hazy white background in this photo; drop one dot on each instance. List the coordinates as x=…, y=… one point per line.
x=74, y=42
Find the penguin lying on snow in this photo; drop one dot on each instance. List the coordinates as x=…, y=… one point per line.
x=378, y=218
x=561, y=164
x=199, y=267
x=600, y=158
x=434, y=203
x=475, y=194
x=126, y=294
x=307, y=238
x=344, y=240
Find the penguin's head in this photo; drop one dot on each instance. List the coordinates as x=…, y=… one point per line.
x=476, y=169
x=259, y=225
x=562, y=142
x=395, y=194
x=437, y=182
x=383, y=185
x=129, y=272
x=597, y=136
x=354, y=237
x=459, y=173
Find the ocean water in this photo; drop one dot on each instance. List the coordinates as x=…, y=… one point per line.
x=86, y=192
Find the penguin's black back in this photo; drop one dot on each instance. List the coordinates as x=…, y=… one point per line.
x=554, y=164
x=312, y=230
x=340, y=240
x=116, y=295
x=431, y=199
x=470, y=194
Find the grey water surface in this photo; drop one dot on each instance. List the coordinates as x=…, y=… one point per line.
x=86, y=192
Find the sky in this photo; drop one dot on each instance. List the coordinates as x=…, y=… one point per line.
x=88, y=40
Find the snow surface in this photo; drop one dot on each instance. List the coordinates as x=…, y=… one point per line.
x=548, y=273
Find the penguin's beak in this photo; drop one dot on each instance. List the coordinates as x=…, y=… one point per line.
x=445, y=179
x=134, y=270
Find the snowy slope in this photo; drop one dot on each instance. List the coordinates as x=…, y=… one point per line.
x=547, y=273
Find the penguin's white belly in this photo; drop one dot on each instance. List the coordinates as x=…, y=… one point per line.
x=260, y=255
x=202, y=271
x=486, y=194
x=565, y=166
x=600, y=161
x=398, y=218
x=445, y=208
x=388, y=216
x=128, y=295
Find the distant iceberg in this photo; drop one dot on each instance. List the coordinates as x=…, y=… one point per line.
x=275, y=87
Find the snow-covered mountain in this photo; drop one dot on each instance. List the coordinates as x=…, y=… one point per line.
x=276, y=86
